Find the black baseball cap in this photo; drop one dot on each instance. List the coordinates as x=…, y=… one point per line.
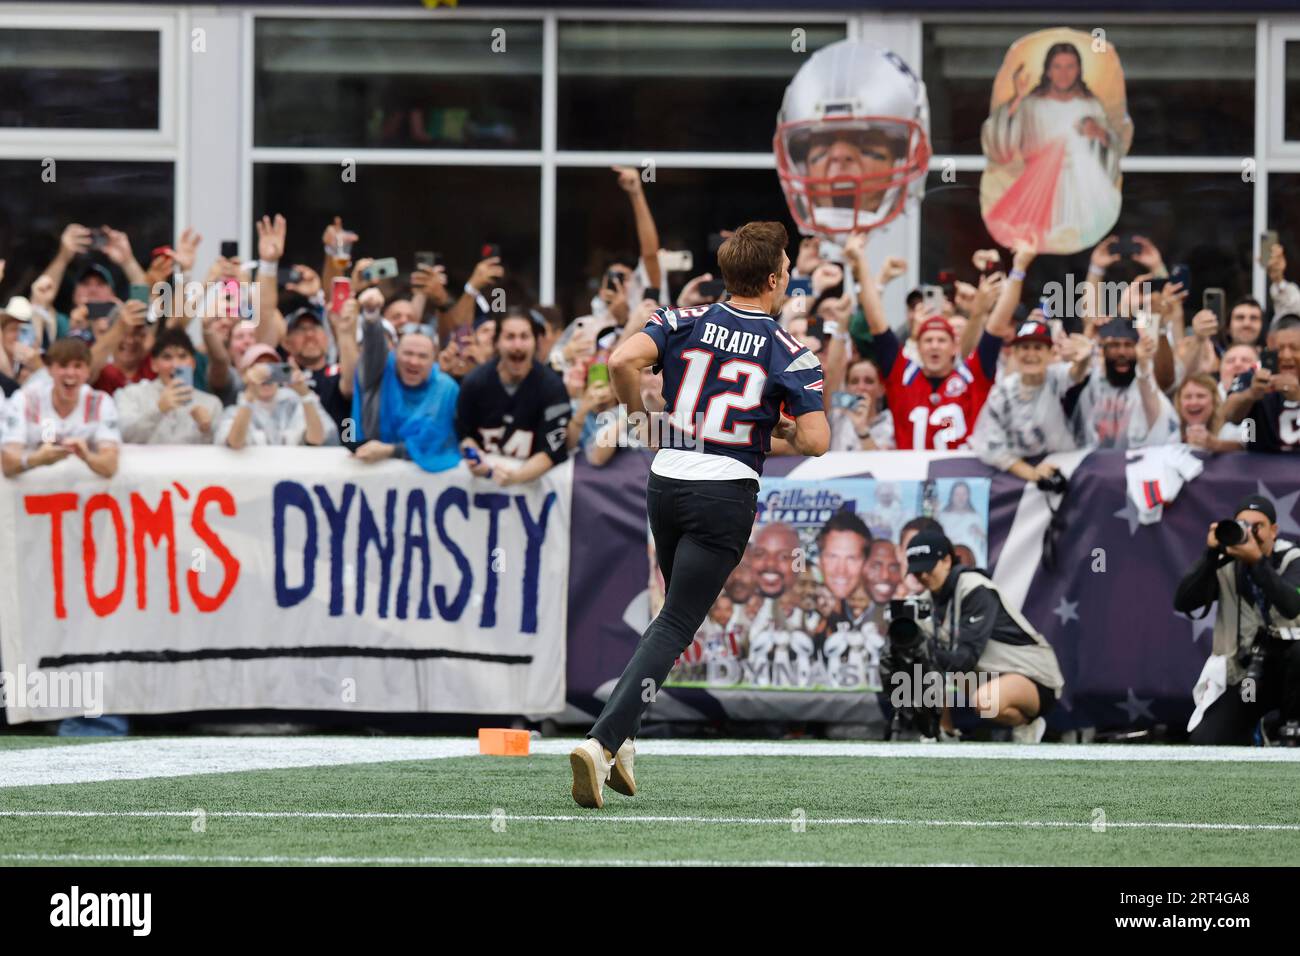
x=1119, y=329
x=1258, y=503
x=927, y=549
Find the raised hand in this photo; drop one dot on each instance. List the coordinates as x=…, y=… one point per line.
x=270, y=237
x=187, y=246
x=629, y=179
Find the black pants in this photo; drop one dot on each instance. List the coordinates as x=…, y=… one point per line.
x=700, y=529
x=1231, y=720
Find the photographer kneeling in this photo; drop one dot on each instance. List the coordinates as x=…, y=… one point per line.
x=1255, y=577
x=967, y=628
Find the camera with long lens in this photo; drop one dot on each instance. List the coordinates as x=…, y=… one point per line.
x=909, y=647
x=1231, y=531
x=905, y=635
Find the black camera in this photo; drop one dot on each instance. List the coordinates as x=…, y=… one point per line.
x=1054, y=484
x=905, y=634
x=908, y=649
x=1231, y=531
x=1253, y=658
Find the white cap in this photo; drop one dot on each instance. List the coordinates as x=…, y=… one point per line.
x=20, y=308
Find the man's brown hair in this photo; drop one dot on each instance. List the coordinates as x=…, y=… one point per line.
x=66, y=351
x=751, y=255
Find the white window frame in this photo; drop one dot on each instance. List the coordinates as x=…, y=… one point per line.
x=1280, y=149
x=549, y=159
x=166, y=144
x=149, y=144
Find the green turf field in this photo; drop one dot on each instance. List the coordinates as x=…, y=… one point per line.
x=796, y=809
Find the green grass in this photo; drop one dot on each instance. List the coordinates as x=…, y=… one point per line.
x=749, y=787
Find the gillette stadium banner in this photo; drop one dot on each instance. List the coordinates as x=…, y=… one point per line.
x=1106, y=606
x=300, y=579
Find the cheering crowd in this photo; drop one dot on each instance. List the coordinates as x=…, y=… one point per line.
x=390, y=363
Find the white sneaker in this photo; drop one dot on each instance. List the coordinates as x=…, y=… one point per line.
x=620, y=777
x=591, y=768
x=1030, y=733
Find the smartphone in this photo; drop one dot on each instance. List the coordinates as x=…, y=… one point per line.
x=27, y=334
x=681, y=261
x=1267, y=240
x=598, y=372
x=185, y=373
x=1268, y=359
x=229, y=249
x=845, y=400
x=713, y=289
x=288, y=275
x=97, y=310
x=1181, y=274
x=800, y=286
x=139, y=293
x=1214, y=299
x=340, y=293
x=427, y=259
x=281, y=373
x=613, y=278
x=380, y=269
x=490, y=250
x=933, y=297
x=471, y=454
x=651, y=293
x=98, y=239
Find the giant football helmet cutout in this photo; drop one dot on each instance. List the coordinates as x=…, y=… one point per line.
x=852, y=140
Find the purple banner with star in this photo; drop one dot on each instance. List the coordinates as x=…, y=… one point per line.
x=1105, y=602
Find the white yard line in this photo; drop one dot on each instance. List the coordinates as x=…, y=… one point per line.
x=150, y=757
x=665, y=818
x=430, y=860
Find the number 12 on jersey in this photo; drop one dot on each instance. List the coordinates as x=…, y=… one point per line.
x=749, y=379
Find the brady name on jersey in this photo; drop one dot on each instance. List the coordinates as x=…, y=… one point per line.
x=728, y=372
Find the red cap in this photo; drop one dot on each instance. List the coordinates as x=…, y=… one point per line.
x=935, y=324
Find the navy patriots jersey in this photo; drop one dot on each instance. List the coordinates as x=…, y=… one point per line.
x=727, y=373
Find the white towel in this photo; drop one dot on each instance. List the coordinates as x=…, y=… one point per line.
x=1155, y=476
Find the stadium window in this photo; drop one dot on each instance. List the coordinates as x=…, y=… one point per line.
x=1201, y=219
x=399, y=83
x=678, y=86
x=79, y=79
x=134, y=197
x=1284, y=216
x=594, y=221
x=397, y=210
x=1190, y=87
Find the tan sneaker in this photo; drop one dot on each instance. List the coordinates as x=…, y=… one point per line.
x=591, y=766
x=620, y=777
